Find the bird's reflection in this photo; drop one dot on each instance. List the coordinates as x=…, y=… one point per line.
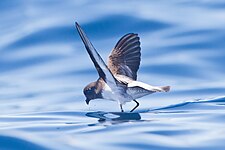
x=114, y=117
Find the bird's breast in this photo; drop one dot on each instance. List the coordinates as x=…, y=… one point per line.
x=117, y=94
x=107, y=93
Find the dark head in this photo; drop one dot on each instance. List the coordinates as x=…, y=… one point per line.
x=91, y=91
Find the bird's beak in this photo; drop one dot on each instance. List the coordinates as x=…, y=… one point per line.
x=87, y=101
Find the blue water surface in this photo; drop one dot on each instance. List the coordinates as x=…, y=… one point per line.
x=44, y=67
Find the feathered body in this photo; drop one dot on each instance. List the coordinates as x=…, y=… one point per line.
x=118, y=80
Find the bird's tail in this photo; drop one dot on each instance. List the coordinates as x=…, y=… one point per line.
x=165, y=88
x=160, y=89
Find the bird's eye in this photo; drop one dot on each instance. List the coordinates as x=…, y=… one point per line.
x=89, y=89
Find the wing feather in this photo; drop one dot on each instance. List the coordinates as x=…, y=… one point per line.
x=99, y=64
x=126, y=56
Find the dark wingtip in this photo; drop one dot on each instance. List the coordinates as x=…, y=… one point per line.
x=77, y=25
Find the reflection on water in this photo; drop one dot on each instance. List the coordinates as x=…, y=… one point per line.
x=114, y=117
x=44, y=67
x=161, y=128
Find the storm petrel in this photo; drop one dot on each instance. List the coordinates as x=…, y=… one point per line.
x=118, y=80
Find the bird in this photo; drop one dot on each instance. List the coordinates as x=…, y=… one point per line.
x=117, y=80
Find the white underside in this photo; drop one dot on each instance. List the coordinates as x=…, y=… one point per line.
x=116, y=95
x=135, y=90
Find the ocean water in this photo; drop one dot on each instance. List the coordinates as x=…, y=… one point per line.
x=44, y=67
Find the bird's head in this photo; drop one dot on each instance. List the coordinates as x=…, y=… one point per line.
x=91, y=92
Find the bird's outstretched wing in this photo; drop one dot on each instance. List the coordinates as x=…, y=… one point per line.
x=100, y=65
x=126, y=56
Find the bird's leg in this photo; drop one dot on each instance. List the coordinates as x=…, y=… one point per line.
x=137, y=104
x=121, y=108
